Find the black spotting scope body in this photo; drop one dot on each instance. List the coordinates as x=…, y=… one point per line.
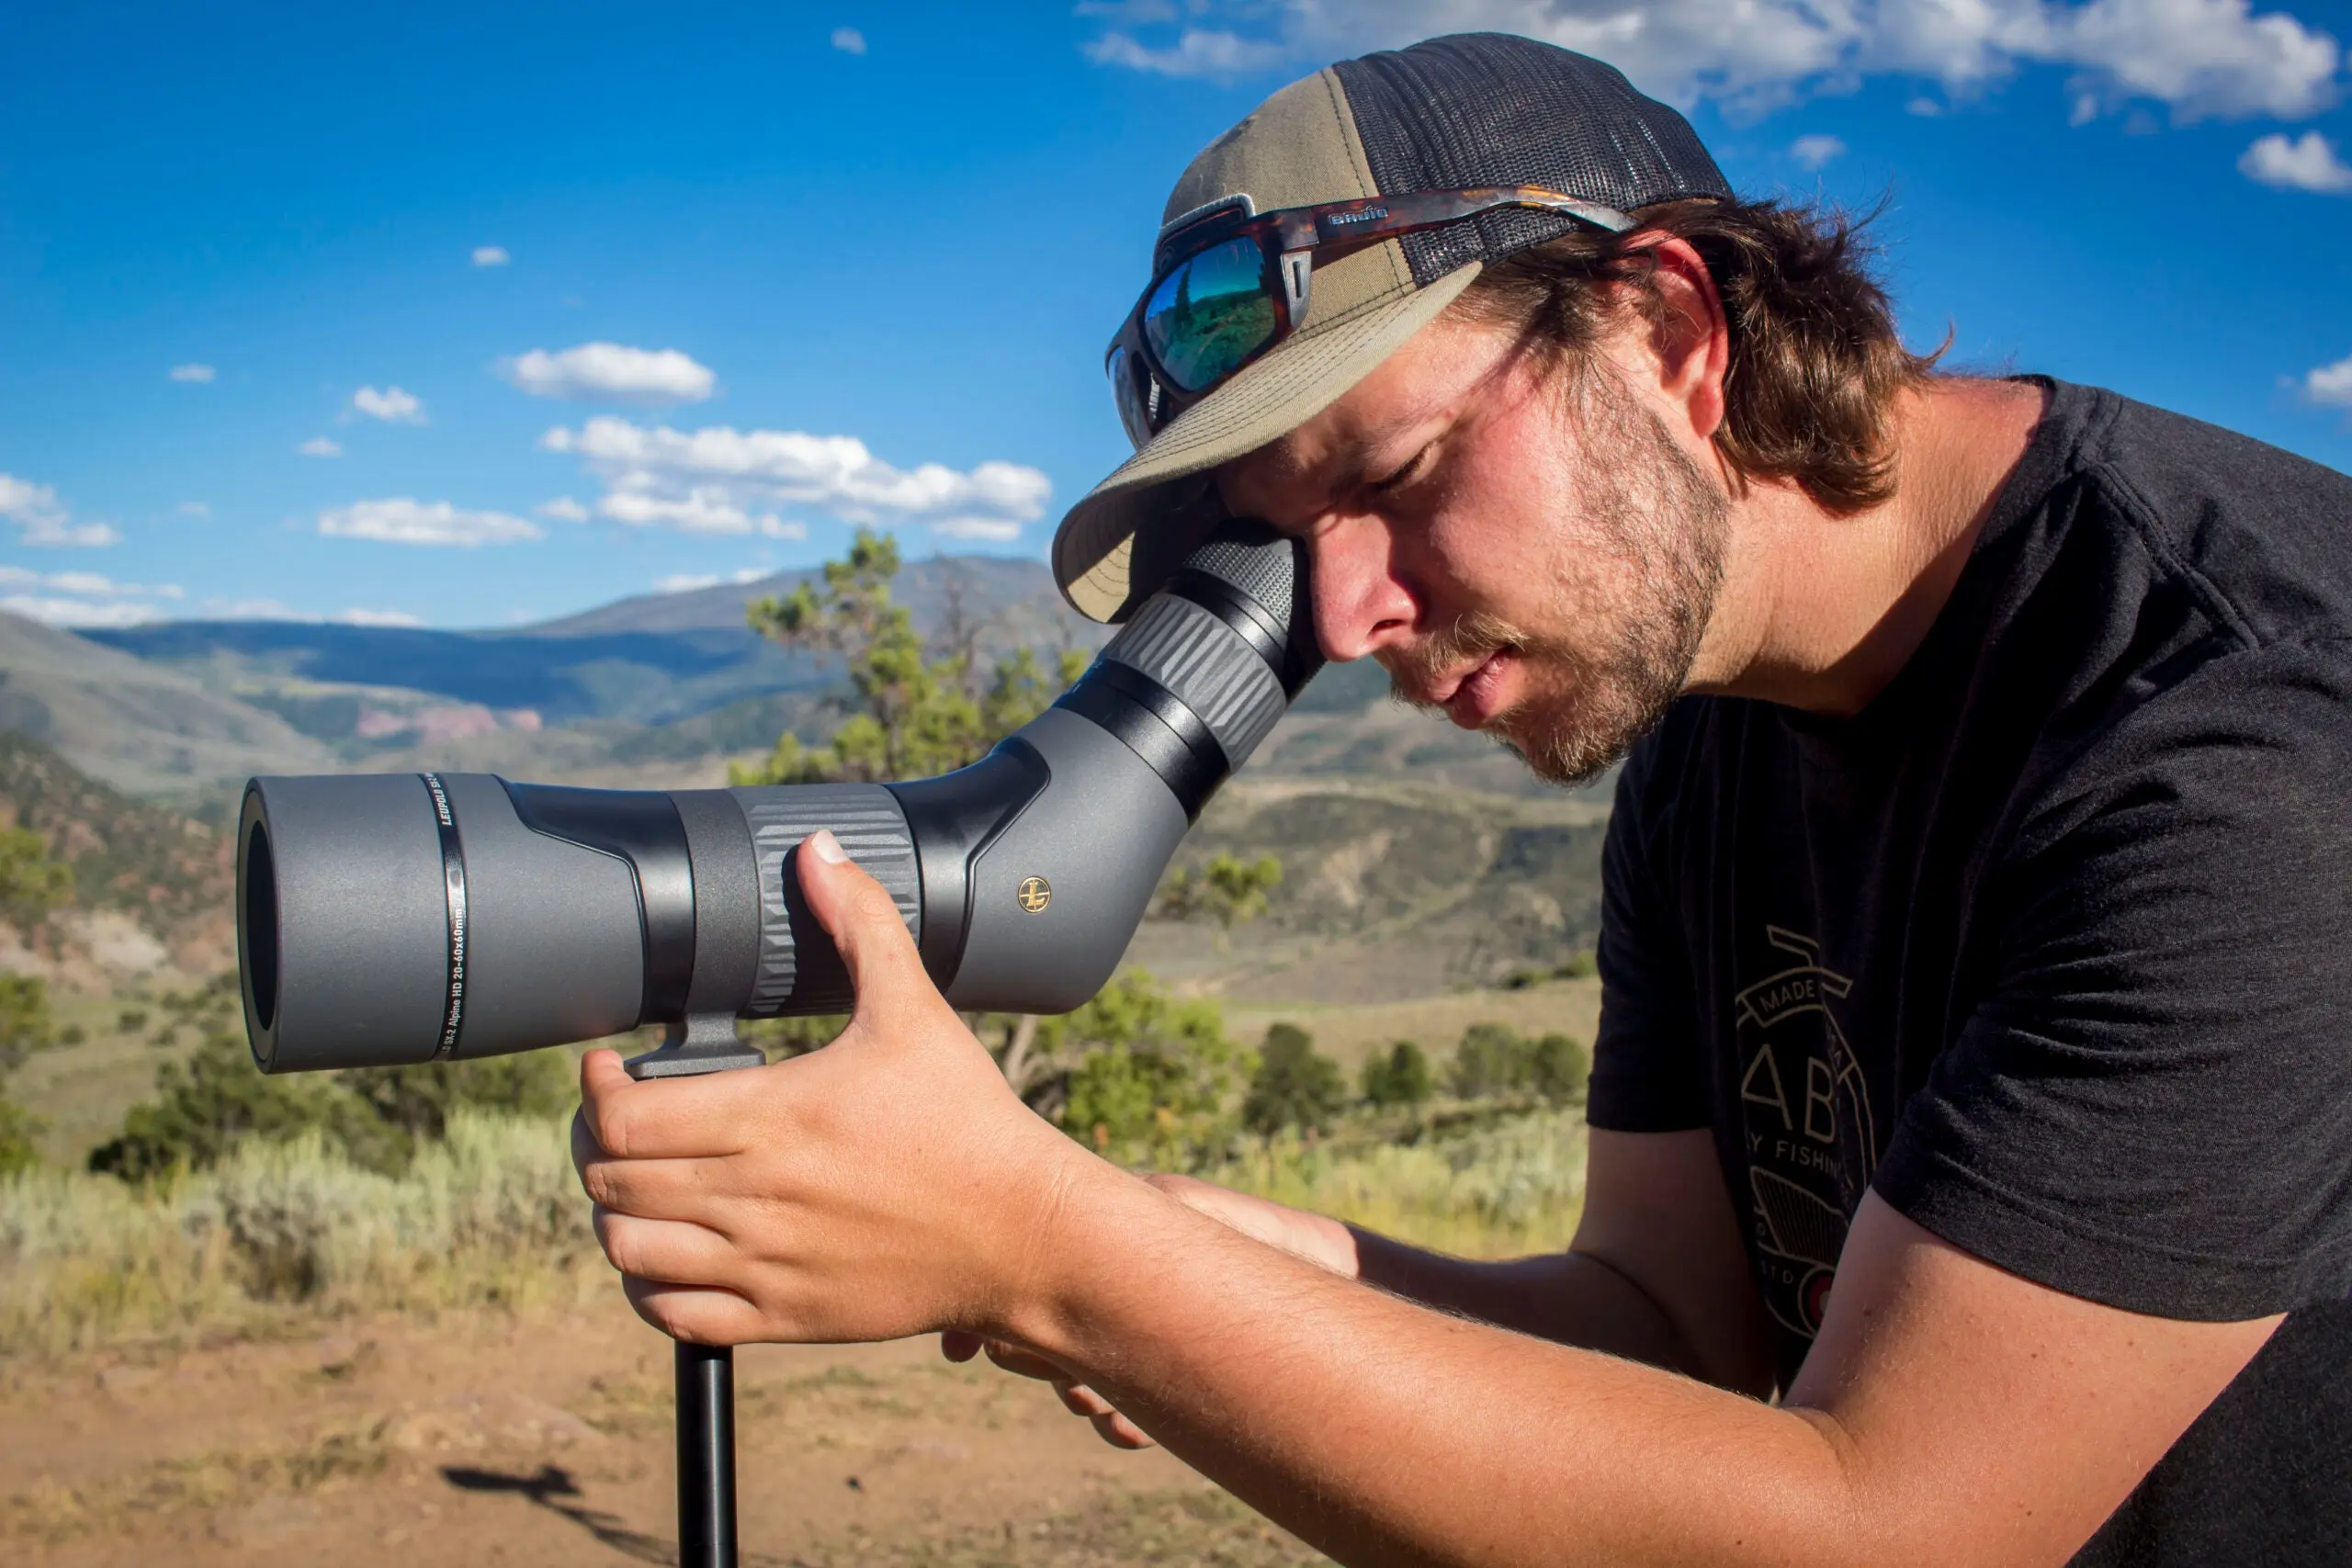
x=398, y=917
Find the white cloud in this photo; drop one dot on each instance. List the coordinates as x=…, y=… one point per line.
x=45, y=520
x=392, y=405
x=1814, y=152
x=722, y=480
x=491, y=256
x=849, y=40
x=998, y=530
x=688, y=582
x=278, y=610
x=563, y=509
x=2306, y=163
x=192, y=373
x=2200, y=57
x=401, y=520
x=2331, y=384
x=81, y=598
x=1197, y=52
x=610, y=372
x=319, y=446
x=78, y=613
x=195, y=509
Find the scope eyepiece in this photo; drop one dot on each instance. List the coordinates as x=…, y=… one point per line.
x=400, y=918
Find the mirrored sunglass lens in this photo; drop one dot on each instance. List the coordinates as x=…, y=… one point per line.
x=1210, y=315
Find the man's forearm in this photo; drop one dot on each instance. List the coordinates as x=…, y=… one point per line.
x=1384, y=1432
x=1569, y=1298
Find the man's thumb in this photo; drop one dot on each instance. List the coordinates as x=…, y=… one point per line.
x=859, y=913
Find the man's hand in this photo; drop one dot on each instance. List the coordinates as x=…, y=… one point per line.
x=1318, y=1240
x=888, y=1185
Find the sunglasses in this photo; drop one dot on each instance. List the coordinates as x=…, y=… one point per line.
x=1229, y=282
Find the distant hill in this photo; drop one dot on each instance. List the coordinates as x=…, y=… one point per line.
x=1014, y=598
x=1391, y=889
x=169, y=875
x=647, y=677
x=650, y=660
x=138, y=725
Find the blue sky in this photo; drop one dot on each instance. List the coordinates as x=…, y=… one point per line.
x=471, y=315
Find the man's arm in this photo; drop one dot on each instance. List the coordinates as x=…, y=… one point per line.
x=1949, y=1413
x=1655, y=1273
x=892, y=1185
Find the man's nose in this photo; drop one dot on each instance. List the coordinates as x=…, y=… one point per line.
x=1361, y=606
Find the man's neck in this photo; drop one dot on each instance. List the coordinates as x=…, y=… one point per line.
x=1820, y=612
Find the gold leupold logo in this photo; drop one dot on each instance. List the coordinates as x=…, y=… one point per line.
x=1035, y=894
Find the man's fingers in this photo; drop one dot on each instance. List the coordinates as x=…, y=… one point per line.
x=1121, y=1433
x=1024, y=1364
x=1080, y=1400
x=699, y=1316
x=1110, y=1424
x=673, y=1252
x=695, y=1117
x=863, y=920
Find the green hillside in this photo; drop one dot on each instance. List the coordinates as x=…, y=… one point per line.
x=1390, y=890
x=140, y=725
x=170, y=874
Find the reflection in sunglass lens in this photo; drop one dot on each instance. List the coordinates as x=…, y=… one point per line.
x=1206, y=318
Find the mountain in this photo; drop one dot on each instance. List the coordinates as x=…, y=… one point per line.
x=141, y=726
x=1014, y=597
x=167, y=876
x=1392, y=889
x=650, y=660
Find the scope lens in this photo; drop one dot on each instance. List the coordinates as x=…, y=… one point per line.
x=261, y=925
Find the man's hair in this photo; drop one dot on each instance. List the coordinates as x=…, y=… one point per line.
x=1815, y=360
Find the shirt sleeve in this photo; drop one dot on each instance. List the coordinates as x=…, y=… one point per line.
x=1648, y=1072
x=2151, y=1106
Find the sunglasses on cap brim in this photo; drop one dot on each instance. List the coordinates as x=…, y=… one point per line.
x=1228, y=283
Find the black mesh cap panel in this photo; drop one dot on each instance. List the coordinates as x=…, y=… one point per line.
x=1492, y=109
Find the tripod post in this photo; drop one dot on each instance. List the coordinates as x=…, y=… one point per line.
x=706, y=1373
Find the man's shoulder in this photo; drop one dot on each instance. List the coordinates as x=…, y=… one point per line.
x=2261, y=534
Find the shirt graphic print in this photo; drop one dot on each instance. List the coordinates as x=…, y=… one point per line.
x=1811, y=1139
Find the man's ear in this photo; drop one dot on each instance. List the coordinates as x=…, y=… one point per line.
x=1689, y=340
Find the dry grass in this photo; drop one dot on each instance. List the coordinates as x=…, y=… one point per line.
x=1515, y=1188
x=283, y=1234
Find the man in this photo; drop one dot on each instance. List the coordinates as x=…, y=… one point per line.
x=1975, y=928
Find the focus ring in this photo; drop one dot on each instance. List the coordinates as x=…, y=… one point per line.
x=799, y=971
x=1208, y=666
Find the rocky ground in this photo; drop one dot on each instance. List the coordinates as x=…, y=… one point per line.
x=544, y=1437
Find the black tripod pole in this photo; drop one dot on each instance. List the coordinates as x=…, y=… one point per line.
x=705, y=1372
x=706, y=1456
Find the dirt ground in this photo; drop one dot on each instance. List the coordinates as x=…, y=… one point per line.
x=545, y=1438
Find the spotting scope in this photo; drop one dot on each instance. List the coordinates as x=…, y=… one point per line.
x=390, y=918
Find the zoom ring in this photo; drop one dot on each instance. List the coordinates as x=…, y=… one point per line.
x=870, y=826
x=1208, y=666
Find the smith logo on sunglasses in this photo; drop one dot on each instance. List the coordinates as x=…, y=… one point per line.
x=1366, y=216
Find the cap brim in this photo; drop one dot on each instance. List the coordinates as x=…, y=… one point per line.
x=1097, y=560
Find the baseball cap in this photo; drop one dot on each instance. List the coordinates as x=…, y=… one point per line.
x=1467, y=110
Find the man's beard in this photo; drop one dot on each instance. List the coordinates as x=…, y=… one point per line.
x=1648, y=555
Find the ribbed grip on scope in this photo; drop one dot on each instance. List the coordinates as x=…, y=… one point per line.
x=807, y=976
x=1265, y=569
x=1207, y=663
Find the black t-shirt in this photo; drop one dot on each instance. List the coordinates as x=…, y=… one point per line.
x=2051, y=945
